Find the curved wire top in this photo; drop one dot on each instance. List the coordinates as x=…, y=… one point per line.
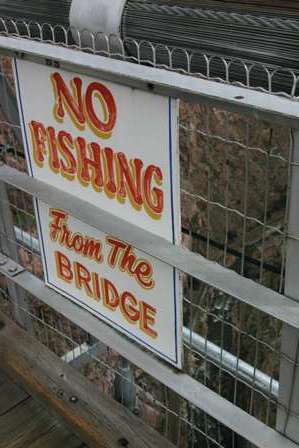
x=249, y=74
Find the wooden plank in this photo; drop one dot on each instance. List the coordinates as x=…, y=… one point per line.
x=3, y=377
x=11, y=395
x=29, y=425
x=24, y=424
x=97, y=420
x=57, y=437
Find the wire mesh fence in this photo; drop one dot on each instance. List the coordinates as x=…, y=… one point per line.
x=159, y=407
x=235, y=186
x=235, y=182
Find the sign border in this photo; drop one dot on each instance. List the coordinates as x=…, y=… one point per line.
x=173, y=164
x=177, y=361
x=174, y=194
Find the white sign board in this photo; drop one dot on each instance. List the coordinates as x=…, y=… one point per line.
x=133, y=292
x=111, y=145
x=116, y=148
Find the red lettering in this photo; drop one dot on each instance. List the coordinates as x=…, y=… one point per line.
x=148, y=314
x=63, y=267
x=129, y=307
x=96, y=286
x=83, y=278
x=59, y=218
x=90, y=167
x=117, y=247
x=101, y=127
x=53, y=155
x=127, y=261
x=69, y=164
x=110, y=174
x=123, y=255
x=132, y=309
x=81, y=108
x=144, y=273
x=110, y=295
x=130, y=179
x=153, y=196
x=72, y=101
x=38, y=134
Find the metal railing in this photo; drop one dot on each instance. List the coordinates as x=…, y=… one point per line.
x=237, y=168
x=213, y=352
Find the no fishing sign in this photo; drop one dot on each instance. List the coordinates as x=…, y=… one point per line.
x=116, y=148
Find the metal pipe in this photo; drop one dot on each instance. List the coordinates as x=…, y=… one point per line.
x=240, y=369
x=27, y=239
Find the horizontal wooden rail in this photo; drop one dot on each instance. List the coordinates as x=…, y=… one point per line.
x=226, y=280
x=97, y=420
x=187, y=387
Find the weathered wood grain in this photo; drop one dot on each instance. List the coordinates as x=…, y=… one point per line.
x=10, y=395
x=97, y=420
x=24, y=424
x=57, y=437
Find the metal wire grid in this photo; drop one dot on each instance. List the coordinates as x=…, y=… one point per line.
x=216, y=319
x=229, y=346
x=250, y=74
x=235, y=183
x=162, y=409
x=215, y=326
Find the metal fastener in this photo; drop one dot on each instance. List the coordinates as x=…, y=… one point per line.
x=60, y=393
x=123, y=442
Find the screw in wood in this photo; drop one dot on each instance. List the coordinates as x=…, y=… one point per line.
x=74, y=399
x=60, y=393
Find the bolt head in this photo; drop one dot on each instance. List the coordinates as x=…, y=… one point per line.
x=60, y=393
x=123, y=442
